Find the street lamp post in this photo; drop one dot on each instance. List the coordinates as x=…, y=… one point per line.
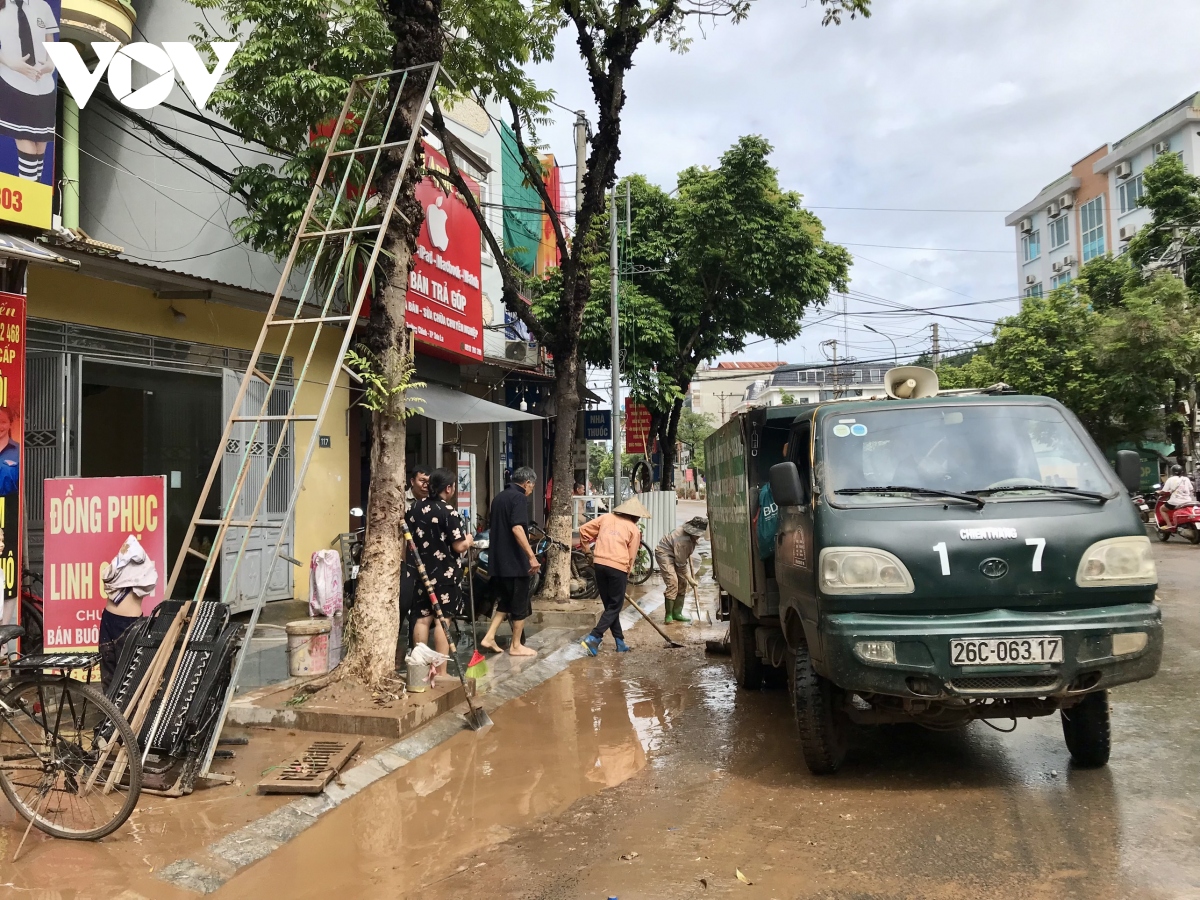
x=895, y=354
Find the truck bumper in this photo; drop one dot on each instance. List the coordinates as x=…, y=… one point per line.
x=923, y=666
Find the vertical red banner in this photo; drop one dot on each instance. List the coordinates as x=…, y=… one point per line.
x=637, y=427
x=12, y=402
x=87, y=521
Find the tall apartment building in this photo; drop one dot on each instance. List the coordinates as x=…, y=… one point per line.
x=1093, y=209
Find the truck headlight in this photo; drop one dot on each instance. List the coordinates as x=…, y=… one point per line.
x=863, y=570
x=1117, y=561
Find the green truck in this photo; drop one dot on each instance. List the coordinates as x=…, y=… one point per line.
x=936, y=559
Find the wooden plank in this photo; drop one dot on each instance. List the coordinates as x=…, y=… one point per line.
x=309, y=771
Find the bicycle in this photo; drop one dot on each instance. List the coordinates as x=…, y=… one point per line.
x=31, y=613
x=69, y=761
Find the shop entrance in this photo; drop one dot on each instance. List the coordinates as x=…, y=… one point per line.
x=137, y=421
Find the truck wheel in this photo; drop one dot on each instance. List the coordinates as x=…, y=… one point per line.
x=747, y=667
x=1085, y=727
x=820, y=723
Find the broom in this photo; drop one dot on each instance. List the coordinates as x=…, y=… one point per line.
x=477, y=667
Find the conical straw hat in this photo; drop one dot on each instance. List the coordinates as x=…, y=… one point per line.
x=633, y=507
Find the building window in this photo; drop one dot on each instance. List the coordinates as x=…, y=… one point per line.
x=876, y=375
x=1129, y=192
x=1034, y=291
x=816, y=377
x=858, y=376
x=1059, y=280
x=1091, y=227
x=1060, y=231
x=1031, y=245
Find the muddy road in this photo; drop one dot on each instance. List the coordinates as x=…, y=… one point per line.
x=657, y=754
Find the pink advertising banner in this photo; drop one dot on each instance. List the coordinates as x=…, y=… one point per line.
x=87, y=521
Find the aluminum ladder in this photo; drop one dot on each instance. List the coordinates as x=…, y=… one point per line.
x=370, y=115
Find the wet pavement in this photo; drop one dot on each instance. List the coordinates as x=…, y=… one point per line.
x=657, y=754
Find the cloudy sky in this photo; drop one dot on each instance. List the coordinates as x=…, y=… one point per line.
x=928, y=106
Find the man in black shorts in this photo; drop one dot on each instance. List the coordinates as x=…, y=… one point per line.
x=511, y=560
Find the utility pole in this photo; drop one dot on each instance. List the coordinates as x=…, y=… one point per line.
x=581, y=130
x=833, y=344
x=722, y=398
x=615, y=328
x=937, y=355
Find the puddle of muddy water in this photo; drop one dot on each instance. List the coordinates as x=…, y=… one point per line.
x=579, y=733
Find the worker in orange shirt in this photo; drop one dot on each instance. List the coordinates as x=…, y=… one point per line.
x=615, y=539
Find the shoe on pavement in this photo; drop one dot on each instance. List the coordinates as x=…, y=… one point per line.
x=591, y=645
x=622, y=647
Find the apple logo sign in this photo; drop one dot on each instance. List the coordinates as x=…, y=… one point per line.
x=436, y=217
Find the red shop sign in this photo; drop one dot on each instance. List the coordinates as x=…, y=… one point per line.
x=637, y=427
x=12, y=442
x=87, y=521
x=445, y=298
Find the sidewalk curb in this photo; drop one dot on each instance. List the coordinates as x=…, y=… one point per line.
x=261, y=837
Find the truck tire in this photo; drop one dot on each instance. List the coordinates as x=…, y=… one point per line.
x=1086, y=730
x=747, y=667
x=821, y=724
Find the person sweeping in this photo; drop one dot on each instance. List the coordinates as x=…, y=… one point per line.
x=672, y=555
x=615, y=540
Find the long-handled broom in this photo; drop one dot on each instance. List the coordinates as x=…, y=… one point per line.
x=476, y=716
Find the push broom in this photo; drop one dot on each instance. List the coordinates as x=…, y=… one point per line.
x=476, y=716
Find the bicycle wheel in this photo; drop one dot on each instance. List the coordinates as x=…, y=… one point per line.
x=583, y=578
x=31, y=621
x=53, y=764
x=643, y=565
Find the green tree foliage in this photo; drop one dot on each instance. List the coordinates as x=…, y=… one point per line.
x=1173, y=197
x=1120, y=359
x=694, y=427
x=726, y=255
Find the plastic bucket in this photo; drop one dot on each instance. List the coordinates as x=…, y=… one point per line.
x=308, y=646
x=418, y=678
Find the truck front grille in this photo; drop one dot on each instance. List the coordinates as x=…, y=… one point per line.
x=987, y=683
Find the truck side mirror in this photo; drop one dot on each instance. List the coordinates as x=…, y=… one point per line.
x=786, y=485
x=1129, y=470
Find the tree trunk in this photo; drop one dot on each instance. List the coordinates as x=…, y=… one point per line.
x=556, y=580
x=375, y=620
x=670, y=442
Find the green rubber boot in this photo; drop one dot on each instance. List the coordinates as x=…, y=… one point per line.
x=677, y=612
x=668, y=610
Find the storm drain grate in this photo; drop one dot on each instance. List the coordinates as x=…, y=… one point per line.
x=1004, y=683
x=310, y=771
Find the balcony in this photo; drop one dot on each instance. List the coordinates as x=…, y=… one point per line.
x=84, y=21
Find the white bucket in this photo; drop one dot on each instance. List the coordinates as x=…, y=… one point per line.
x=308, y=646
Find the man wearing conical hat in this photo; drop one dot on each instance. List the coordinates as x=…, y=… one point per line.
x=616, y=540
x=673, y=554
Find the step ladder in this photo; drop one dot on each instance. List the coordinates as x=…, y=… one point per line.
x=368, y=113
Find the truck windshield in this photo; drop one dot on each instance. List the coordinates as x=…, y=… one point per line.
x=997, y=451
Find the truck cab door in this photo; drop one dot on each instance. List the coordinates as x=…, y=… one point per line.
x=795, y=555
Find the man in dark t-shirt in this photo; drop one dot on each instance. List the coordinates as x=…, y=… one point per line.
x=511, y=560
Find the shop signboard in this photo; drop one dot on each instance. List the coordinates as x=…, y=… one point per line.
x=28, y=111
x=637, y=427
x=445, y=296
x=596, y=424
x=87, y=521
x=12, y=440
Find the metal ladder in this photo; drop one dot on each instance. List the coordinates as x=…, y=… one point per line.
x=365, y=105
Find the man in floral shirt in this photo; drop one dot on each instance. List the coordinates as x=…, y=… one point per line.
x=437, y=528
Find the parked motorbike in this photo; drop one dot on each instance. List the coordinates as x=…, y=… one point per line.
x=1143, y=508
x=1184, y=521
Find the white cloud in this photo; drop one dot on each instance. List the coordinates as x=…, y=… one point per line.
x=928, y=105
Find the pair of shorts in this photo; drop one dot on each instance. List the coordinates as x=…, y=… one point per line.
x=113, y=630
x=512, y=597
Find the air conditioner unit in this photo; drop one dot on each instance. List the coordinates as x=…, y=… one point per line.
x=1031, y=279
x=1128, y=231
x=1068, y=261
x=1057, y=267
x=1026, y=226
x=1162, y=147
x=1052, y=210
x=521, y=352
x=1124, y=169
x=1066, y=201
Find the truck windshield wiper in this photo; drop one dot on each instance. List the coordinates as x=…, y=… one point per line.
x=902, y=489
x=1052, y=488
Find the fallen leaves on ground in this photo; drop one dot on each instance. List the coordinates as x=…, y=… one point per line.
x=742, y=878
